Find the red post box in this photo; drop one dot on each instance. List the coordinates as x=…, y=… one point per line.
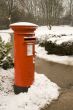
x=24, y=55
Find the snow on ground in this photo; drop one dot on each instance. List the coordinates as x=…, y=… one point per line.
x=41, y=53
x=6, y=31
x=57, y=34
x=59, y=40
x=56, y=30
x=41, y=93
x=5, y=35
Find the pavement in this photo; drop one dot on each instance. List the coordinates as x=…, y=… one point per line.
x=62, y=75
x=64, y=102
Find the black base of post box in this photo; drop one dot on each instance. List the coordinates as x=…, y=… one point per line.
x=18, y=89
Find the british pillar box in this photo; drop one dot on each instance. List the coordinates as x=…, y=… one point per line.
x=24, y=55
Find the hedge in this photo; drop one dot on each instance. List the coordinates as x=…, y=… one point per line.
x=65, y=48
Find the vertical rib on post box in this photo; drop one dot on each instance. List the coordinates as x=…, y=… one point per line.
x=24, y=55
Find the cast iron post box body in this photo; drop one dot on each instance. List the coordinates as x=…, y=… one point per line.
x=24, y=55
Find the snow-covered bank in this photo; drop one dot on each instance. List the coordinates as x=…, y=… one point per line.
x=41, y=53
x=42, y=92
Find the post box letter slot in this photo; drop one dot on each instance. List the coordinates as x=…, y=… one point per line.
x=29, y=38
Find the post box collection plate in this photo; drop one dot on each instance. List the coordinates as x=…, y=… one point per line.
x=29, y=49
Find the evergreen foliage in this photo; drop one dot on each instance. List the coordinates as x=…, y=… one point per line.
x=6, y=60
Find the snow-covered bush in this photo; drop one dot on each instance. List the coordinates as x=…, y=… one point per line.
x=6, y=60
x=65, y=48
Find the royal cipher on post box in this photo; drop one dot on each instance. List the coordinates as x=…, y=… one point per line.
x=24, y=55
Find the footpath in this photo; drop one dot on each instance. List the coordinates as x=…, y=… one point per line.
x=64, y=102
x=61, y=77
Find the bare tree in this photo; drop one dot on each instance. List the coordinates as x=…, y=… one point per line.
x=11, y=7
x=69, y=11
x=71, y=6
x=39, y=11
x=52, y=10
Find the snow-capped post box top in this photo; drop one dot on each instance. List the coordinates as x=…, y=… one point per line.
x=23, y=27
x=23, y=24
